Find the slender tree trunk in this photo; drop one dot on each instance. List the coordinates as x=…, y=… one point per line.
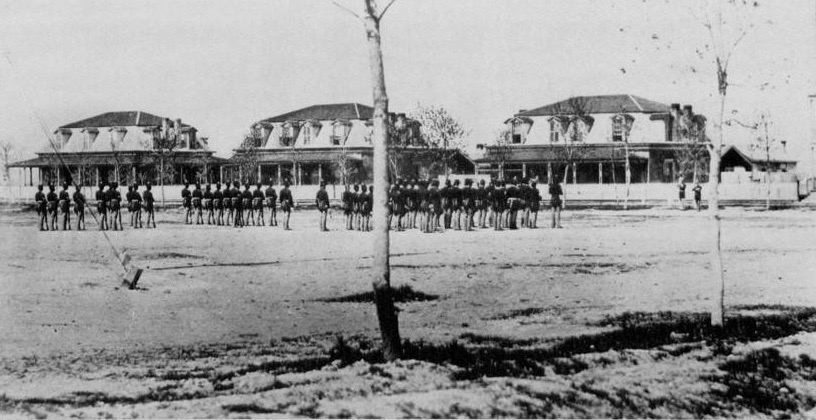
x=718, y=309
x=161, y=178
x=628, y=176
x=386, y=312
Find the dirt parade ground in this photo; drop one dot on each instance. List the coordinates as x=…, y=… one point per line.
x=604, y=318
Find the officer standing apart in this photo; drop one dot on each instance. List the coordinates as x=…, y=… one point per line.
x=556, y=203
x=186, y=204
x=322, y=202
x=102, y=207
x=271, y=202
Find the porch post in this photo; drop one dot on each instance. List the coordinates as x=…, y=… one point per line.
x=600, y=173
x=279, y=175
x=31, y=176
x=320, y=172
x=259, y=172
x=549, y=172
x=240, y=174
x=221, y=174
x=299, y=174
x=524, y=170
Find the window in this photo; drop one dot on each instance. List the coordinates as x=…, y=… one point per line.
x=339, y=133
x=555, y=131
x=668, y=168
x=617, y=128
x=307, y=134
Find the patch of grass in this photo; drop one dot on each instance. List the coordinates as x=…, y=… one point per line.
x=401, y=294
x=757, y=380
x=517, y=313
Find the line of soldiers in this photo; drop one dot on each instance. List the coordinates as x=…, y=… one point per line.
x=358, y=202
x=231, y=206
x=500, y=205
x=108, y=203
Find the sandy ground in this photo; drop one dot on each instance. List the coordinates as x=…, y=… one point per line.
x=219, y=301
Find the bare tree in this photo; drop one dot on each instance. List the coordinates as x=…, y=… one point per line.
x=763, y=143
x=500, y=152
x=345, y=166
x=247, y=156
x=441, y=131
x=5, y=148
x=573, y=121
x=371, y=16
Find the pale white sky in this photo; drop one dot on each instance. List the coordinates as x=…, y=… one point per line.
x=221, y=65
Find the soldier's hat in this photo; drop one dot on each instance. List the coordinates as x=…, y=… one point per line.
x=482, y=182
x=186, y=184
x=258, y=185
x=148, y=186
x=197, y=185
x=447, y=183
x=51, y=186
x=236, y=184
x=64, y=185
x=356, y=187
x=435, y=183
x=207, y=186
x=286, y=183
x=323, y=184
x=363, y=187
x=218, y=185
x=39, y=187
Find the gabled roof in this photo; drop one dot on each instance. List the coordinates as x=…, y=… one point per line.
x=119, y=119
x=602, y=104
x=349, y=111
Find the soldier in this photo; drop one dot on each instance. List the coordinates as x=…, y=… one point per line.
x=447, y=202
x=348, y=207
x=398, y=204
x=246, y=202
x=435, y=207
x=681, y=191
x=208, y=204
x=237, y=205
x=228, y=204
x=218, y=204
x=102, y=207
x=258, y=203
x=555, y=203
x=79, y=208
x=356, y=208
x=411, y=204
x=65, y=206
x=322, y=203
x=424, y=206
x=271, y=202
x=497, y=202
x=480, y=202
x=114, y=204
x=533, y=206
x=698, y=194
x=286, y=204
x=197, y=196
x=456, y=205
x=186, y=200
x=513, y=199
x=42, y=207
x=136, y=203
x=368, y=206
x=524, y=198
x=468, y=204
x=149, y=206
x=53, y=203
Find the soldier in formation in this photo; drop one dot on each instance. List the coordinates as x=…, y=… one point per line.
x=149, y=205
x=42, y=208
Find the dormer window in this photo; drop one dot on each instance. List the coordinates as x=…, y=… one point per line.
x=621, y=126
x=310, y=129
x=340, y=131
x=90, y=137
x=289, y=133
x=519, y=128
x=555, y=131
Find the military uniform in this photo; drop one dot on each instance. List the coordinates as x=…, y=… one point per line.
x=556, y=204
x=258, y=204
x=348, y=208
x=197, y=197
x=246, y=203
x=79, y=208
x=65, y=207
x=186, y=203
x=42, y=208
x=149, y=206
x=136, y=202
x=102, y=207
x=271, y=203
x=286, y=203
x=114, y=204
x=322, y=203
x=53, y=204
x=497, y=202
x=218, y=204
x=435, y=207
x=209, y=207
x=228, y=204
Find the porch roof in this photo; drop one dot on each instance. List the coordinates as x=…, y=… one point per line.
x=44, y=160
x=556, y=153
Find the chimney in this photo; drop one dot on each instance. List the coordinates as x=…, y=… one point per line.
x=784, y=143
x=165, y=128
x=687, y=110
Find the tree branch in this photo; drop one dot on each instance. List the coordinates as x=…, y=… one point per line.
x=385, y=9
x=347, y=9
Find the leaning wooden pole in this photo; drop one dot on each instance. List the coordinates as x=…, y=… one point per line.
x=381, y=270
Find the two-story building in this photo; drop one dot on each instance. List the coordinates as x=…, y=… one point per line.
x=332, y=142
x=587, y=139
x=125, y=147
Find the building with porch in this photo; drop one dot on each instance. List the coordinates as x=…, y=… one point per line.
x=126, y=147
x=332, y=142
x=592, y=139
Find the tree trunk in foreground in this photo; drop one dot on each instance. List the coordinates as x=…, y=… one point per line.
x=714, y=210
x=384, y=299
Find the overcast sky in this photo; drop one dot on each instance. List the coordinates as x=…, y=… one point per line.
x=221, y=65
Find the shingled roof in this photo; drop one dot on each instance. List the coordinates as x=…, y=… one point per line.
x=119, y=119
x=349, y=111
x=602, y=104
